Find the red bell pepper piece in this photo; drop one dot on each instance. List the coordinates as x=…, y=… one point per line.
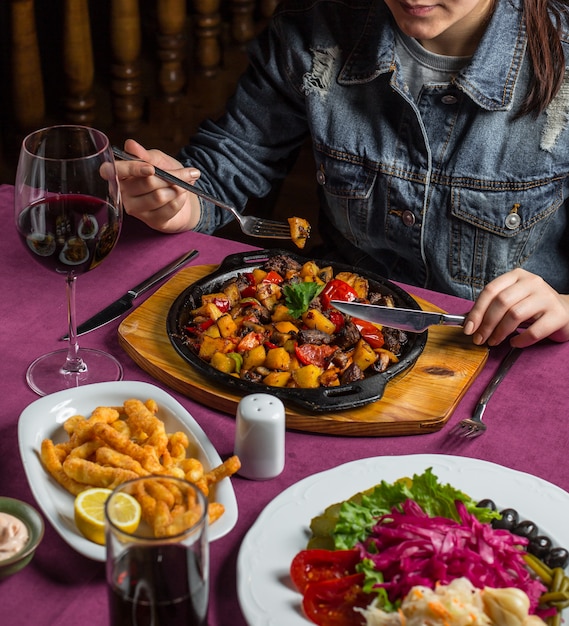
x=337, y=318
x=337, y=289
x=250, y=291
x=370, y=332
x=222, y=304
x=195, y=329
x=273, y=277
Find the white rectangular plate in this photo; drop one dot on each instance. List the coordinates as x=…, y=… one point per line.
x=44, y=418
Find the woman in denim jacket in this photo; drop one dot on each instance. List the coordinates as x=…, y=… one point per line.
x=441, y=137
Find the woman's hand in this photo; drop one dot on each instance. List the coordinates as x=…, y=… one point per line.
x=518, y=299
x=162, y=206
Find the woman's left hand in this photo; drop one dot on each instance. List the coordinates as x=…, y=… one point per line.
x=518, y=299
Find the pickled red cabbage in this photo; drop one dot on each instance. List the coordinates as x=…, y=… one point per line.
x=410, y=548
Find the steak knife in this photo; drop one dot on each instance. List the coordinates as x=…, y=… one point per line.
x=125, y=302
x=411, y=320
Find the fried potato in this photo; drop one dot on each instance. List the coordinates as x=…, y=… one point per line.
x=117, y=444
x=299, y=230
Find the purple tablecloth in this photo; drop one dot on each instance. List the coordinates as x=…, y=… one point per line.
x=527, y=419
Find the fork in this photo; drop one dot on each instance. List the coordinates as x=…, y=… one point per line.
x=474, y=426
x=252, y=226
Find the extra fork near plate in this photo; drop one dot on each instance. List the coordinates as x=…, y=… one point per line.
x=474, y=426
x=250, y=225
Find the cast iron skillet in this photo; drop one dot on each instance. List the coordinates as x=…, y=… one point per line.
x=318, y=400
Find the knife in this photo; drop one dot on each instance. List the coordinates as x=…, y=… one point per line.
x=411, y=320
x=125, y=302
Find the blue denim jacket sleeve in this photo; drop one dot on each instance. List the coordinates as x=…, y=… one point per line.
x=447, y=191
x=254, y=145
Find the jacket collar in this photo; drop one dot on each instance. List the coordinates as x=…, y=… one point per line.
x=489, y=79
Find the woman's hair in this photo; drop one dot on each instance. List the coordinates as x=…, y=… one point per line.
x=543, y=23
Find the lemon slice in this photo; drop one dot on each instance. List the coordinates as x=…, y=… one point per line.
x=125, y=512
x=90, y=513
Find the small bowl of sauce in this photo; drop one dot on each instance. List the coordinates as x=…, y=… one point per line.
x=21, y=531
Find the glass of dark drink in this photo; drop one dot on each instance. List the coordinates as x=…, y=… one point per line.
x=68, y=216
x=158, y=573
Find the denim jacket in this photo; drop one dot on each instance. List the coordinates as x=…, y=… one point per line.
x=446, y=192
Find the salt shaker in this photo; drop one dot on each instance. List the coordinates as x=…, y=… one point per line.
x=260, y=436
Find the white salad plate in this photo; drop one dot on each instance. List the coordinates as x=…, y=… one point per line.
x=44, y=418
x=266, y=594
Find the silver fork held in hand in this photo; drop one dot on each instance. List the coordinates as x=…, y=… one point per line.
x=252, y=226
x=474, y=426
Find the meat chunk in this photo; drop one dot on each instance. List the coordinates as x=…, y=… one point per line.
x=351, y=374
x=381, y=298
x=281, y=264
x=347, y=336
x=240, y=281
x=257, y=312
x=394, y=339
x=312, y=335
x=340, y=359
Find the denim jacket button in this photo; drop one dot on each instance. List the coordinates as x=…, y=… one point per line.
x=320, y=177
x=448, y=99
x=408, y=218
x=513, y=221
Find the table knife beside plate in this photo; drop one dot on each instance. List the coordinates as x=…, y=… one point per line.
x=125, y=302
x=411, y=320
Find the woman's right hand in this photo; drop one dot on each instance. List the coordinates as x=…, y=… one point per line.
x=164, y=207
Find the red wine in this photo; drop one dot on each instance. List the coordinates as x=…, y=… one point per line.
x=158, y=586
x=70, y=233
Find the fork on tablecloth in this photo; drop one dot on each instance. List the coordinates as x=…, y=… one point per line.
x=474, y=426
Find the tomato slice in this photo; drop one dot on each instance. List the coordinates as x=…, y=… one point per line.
x=250, y=341
x=312, y=354
x=370, y=332
x=332, y=602
x=337, y=289
x=314, y=565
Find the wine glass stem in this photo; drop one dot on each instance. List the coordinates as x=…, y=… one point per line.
x=73, y=363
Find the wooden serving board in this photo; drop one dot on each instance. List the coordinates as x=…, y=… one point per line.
x=420, y=400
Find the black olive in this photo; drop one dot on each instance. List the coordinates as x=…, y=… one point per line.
x=525, y=529
x=539, y=546
x=487, y=504
x=557, y=557
x=508, y=521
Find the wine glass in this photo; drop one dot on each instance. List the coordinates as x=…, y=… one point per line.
x=68, y=216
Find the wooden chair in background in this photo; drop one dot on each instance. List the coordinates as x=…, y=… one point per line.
x=148, y=69
x=76, y=61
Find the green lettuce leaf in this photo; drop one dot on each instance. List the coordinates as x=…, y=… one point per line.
x=372, y=578
x=356, y=519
